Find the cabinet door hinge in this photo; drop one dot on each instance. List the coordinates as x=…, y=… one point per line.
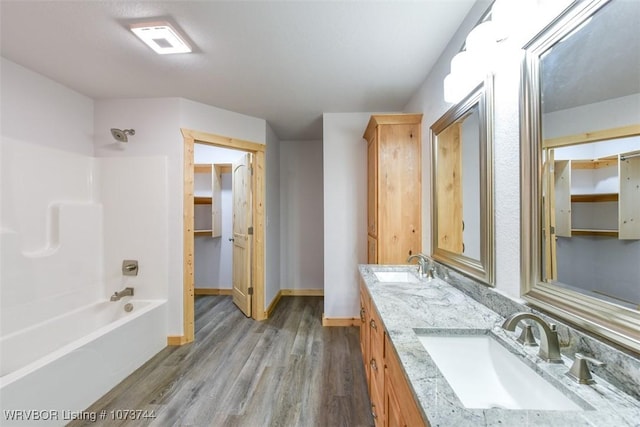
x=250, y=291
x=250, y=231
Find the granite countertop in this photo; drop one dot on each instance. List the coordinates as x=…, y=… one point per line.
x=433, y=306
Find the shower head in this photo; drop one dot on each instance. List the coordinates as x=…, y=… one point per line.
x=121, y=135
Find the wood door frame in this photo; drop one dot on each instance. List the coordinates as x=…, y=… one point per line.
x=258, y=150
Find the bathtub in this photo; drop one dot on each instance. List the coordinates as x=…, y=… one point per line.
x=54, y=370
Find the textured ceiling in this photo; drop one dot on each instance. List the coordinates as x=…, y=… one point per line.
x=600, y=61
x=284, y=61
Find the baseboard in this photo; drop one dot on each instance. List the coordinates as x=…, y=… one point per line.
x=302, y=292
x=340, y=321
x=209, y=291
x=176, y=340
x=273, y=305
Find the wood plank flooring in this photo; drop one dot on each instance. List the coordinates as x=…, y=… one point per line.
x=285, y=371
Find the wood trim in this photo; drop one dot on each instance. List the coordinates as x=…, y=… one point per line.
x=212, y=291
x=591, y=232
x=594, y=164
x=390, y=119
x=302, y=292
x=202, y=200
x=259, y=198
x=340, y=321
x=599, y=135
x=188, y=310
x=202, y=168
x=173, y=340
x=203, y=233
x=595, y=197
x=224, y=141
x=273, y=304
x=223, y=168
x=190, y=138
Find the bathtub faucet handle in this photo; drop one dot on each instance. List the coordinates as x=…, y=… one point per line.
x=130, y=267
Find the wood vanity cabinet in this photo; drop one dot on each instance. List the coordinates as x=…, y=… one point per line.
x=364, y=329
x=392, y=402
x=372, y=346
x=393, y=187
x=399, y=404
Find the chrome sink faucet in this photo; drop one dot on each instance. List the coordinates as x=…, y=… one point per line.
x=549, y=344
x=424, y=265
x=123, y=293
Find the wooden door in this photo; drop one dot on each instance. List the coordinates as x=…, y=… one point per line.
x=242, y=234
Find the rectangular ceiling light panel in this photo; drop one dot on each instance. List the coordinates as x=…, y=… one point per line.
x=161, y=37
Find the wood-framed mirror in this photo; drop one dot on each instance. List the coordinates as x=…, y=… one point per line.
x=581, y=169
x=462, y=186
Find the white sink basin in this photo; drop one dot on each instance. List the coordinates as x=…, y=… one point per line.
x=484, y=374
x=396, y=277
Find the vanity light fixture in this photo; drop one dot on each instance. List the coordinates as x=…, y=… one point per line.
x=161, y=37
x=481, y=50
x=470, y=66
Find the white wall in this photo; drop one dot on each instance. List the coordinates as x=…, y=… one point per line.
x=301, y=213
x=609, y=114
x=273, y=224
x=344, y=159
x=41, y=111
x=205, y=118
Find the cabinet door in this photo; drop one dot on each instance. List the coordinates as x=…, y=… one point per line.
x=397, y=390
x=399, y=193
x=377, y=403
x=629, y=198
x=372, y=250
x=562, y=197
x=216, y=202
x=376, y=363
x=372, y=186
x=392, y=407
x=364, y=329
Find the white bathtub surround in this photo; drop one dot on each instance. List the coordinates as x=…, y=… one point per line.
x=51, y=238
x=65, y=364
x=66, y=227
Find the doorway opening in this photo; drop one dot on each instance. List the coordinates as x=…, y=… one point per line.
x=255, y=231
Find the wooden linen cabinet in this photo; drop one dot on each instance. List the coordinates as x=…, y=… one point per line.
x=394, y=187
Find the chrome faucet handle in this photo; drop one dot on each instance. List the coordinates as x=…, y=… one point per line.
x=526, y=337
x=579, y=371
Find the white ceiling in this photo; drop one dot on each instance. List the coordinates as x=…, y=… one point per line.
x=284, y=61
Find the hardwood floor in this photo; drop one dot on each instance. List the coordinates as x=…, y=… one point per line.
x=286, y=371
